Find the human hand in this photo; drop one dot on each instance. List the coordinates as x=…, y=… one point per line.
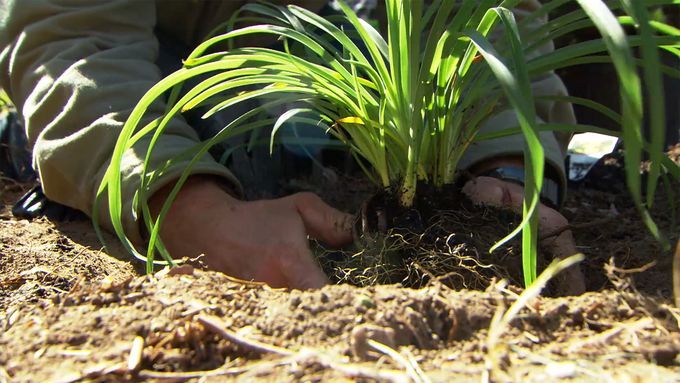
x=262, y=240
x=495, y=192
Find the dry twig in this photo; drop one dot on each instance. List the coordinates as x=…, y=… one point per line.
x=136, y=351
x=607, y=335
x=333, y=362
x=219, y=327
x=149, y=374
x=409, y=364
x=4, y=376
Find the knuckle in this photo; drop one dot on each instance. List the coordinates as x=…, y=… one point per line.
x=307, y=197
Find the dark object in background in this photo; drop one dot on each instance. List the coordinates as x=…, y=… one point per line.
x=607, y=174
x=15, y=164
x=15, y=158
x=35, y=204
x=596, y=82
x=599, y=82
x=676, y=274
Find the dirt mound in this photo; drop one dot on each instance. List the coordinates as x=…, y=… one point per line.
x=205, y=321
x=70, y=312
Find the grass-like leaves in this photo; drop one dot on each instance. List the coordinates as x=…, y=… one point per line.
x=407, y=105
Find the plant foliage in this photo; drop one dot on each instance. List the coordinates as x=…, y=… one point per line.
x=5, y=102
x=408, y=105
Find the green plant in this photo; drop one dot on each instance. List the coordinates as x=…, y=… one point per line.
x=5, y=102
x=407, y=107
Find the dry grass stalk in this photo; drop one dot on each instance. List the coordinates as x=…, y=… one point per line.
x=4, y=375
x=501, y=320
x=218, y=326
x=326, y=360
x=601, y=338
x=224, y=370
x=92, y=372
x=409, y=363
x=353, y=370
x=136, y=352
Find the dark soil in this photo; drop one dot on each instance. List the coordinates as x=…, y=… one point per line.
x=443, y=237
x=70, y=312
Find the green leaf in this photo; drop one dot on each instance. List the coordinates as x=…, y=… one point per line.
x=517, y=88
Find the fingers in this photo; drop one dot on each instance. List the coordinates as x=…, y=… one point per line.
x=494, y=192
x=301, y=271
x=322, y=221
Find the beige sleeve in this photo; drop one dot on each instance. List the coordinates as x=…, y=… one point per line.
x=554, y=143
x=75, y=70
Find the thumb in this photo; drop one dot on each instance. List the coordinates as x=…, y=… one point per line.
x=322, y=221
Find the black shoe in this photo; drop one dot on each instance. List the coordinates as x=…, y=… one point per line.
x=35, y=204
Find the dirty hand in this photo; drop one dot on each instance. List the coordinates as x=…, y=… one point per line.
x=494, y=192
x=260, y=240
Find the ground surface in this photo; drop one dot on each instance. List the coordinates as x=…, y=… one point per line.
x=69, y=313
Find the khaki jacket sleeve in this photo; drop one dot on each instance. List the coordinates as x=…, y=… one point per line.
x=554, y=143
x=75, y=70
